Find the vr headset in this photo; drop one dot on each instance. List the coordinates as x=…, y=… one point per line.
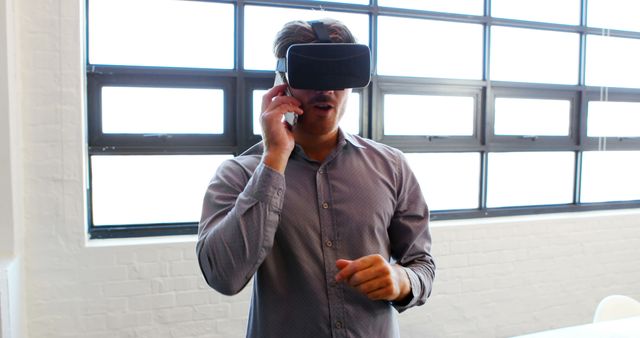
x=325, y=65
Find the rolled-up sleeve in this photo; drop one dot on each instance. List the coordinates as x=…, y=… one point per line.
x=410, y=238
x=240, y=216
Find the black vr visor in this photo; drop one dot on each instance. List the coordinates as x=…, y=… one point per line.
x=327, y=66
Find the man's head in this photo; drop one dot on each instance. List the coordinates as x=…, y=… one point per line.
x=323, y=109
x=323, y=57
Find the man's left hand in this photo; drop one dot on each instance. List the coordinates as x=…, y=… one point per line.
x=375, y=277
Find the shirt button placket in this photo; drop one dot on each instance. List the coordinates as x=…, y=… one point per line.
x=335, y=298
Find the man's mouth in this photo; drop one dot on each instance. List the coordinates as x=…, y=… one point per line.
x=323, y=106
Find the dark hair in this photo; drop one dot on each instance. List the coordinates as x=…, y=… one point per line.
x=301, y=32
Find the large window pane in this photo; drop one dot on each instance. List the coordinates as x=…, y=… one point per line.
x=257, y=107
x=443, y=50
x=472, y=7
x=610, y=176
x=350, y=121
x=612, y=62
x=532, y=117
x=530, y=178
x=428, y=115
x=162, y=110
x=528, y=55
x=165, y=33
x=448, y=180
x=614, y=14
x=553, y=11
x=616, y=119
x=150, y=189
x=263, y=23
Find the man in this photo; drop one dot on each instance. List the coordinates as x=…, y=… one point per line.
x=333, y=227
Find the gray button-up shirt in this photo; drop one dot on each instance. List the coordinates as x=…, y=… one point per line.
x=288, y=231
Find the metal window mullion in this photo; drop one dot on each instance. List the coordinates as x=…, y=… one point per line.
x=370, y=107
x=583, y=43
x=581, y=126
x=577, y=180
x=483, y=180
x=241, y=113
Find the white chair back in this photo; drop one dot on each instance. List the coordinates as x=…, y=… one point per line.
x=616, y=307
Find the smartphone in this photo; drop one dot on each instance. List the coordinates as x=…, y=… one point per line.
x=281, y=78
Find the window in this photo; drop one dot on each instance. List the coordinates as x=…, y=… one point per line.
x=613, y=14
x=473, y=7
x=538, y=117
x=612, y=61
x=613, y=119
x=528, y=55
x=444, y=50
x=564, y=11
x=171, y=34
x=428, y=115
x=450, y=181
x=148, y=110
x=159, y=188
x=610, y=176
x=262, y=23
x=530, y=178
x=518, y=107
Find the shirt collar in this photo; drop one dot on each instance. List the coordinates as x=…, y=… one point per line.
x=344, y=136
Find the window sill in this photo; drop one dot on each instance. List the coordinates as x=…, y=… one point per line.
x=534, y=218
x=139, y=241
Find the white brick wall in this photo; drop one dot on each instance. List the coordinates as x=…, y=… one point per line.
x=502, y=277
x=495, y=278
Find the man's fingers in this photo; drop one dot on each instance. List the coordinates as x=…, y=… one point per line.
x=276, y=96
x=374, y=284
x=352, y=267
x=271, y=93
x=371, y=275
x=381, y=294
x=274, y=114
x=368, y=274
x=341, y=263
x=347, y=270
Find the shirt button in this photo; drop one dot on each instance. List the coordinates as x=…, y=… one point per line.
x=338, y=324
x=325, y=205
x=328, y=243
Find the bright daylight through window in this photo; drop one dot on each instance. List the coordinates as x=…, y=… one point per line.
x=504, y=110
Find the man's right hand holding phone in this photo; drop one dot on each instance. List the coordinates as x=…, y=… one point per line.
x=276, y=133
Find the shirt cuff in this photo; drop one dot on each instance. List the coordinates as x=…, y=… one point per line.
x=414, y=294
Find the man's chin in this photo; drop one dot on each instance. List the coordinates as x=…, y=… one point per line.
x=315, y=127
x=320, y=112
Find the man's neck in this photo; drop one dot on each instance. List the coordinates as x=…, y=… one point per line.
x=318, y=147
